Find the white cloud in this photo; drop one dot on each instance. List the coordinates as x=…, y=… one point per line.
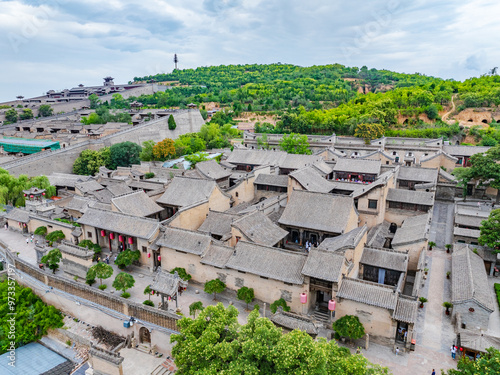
x=63, y=43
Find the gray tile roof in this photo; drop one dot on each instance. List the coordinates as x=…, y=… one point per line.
x=418, y=174
x=324, y=265
x=357, y=166
x=166, y=283
x=218, y=223
x=184, y=240
x=469, y=281
x=75, y=250
x=120, y=223
x=257, y=227
x=368, y=292
x=184, y=191
x=414, y=229
x=323, y=212
x=119, y=189
x=103, y=196
x=18, y=214
x=212, y=170
x=464, y=232
x=256, y=157
x=411, y=196
x=345, y=241
x=268, y=262
x=465, y=150
x=478, y=341
x=66, y=179
x=146, y=185
x=323, y=167
x=484, y=252
x=298, y=161
x=385, y=258
x=217, y=255
x=78, y=203
x=469, y=220
x=88, y=186
x=377, y=234
x=406, y=309
x=272, y=180
x=293, y=321
x=310, y=179
x=447, y=176
x=137, y=203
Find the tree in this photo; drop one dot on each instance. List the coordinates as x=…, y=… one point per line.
x=487, y=364
x=27, y=114
x=246, y=294
x=102, y=271
x=490, y=231
x=369, y=131
x=126, y=258
x=485, y=169
x=148, y=291
x=214, y=286
x=94, y=101
x=295, y=144
x=214, y=343
x=33, y=318
x=182, y=273
x=464, y=176
x=171, y=122
x=89, y=161
x=125, y=154
x=262, y=142
x=40, y=231
x=52, y=259
x=90, y=277
x=45, y=110
x=195, y=306
x=432, y=111
x=11, y=115
x=147, y=151
x=55, y=236
x=279, y=303
x=123, y=281
x=196, y=158
x=164, y=150
x=349, y=326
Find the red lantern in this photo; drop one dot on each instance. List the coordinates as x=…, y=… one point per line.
x=103, y=233
x=43, y=193
x=130, y=240
x=303, y=298
x=25, y=195
x=120, y=238
x=159, y=258
x=31, y=196
x=331, y=305
x=149, y=255
x=112, y=236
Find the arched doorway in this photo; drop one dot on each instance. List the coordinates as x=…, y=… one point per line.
x=144, y=336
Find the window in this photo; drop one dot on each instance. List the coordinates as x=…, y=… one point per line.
x=263, y=277
x=288, y=283
x=236, y=194
x=387, y=162
x=89, y=234
x=144, y=249
x=372, y=203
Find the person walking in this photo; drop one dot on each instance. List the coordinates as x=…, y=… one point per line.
x=397, y=350
x=27, y=241
x=433, y=372
x=453, y=351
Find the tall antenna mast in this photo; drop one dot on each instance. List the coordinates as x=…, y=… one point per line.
x=176, y=60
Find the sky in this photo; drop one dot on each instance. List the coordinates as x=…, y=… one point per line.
x=57, y=44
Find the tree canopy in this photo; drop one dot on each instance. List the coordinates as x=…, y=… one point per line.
x=89, y=161
x=214, y=286
x=124, y=154
x=45, y=110
x=214, y=342
x=349, y=326
x=490, y=231
x=171, y=122
x=11, y=187
x=487, y=364
x=102, y=271
x=295, y=144
x=164, y=150
x=123, y=281
x=52, y=259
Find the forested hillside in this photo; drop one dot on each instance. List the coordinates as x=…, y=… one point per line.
x=333, y=98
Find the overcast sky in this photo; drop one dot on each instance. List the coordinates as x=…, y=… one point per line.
x=58, y=44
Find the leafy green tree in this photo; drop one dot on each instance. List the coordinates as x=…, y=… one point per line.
x=369, y=131
x=147, y=291
x=123, y=281
x=432, y=111
x=295, y=144
x=246, y=294
x=94, y=101
x=262, y=142
x=490, y=231
x=52, y=259
x=164, y=150
x=11, y=115
x=485, y=168
x=189, y=144
x=348, y=326
x=126, y=258
x=182, y=273
x=171, y=122
x=55, y=236
x=27, y=114
x=195, y=306
x=90, y=277
x=279, y=302
x=89, y=161
x=487, y=364
x=147, y=151
x=102, y=271
x=214, y=343
x=125, y=154
x=196, y=158
x=45, y=110
x=40, y=231
x=33, y=318
x=464, y=176
x=214, y=286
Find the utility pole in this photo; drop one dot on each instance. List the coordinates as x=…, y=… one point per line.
x=176, y=60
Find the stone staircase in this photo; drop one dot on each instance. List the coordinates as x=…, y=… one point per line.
x=145, y=348
x=321, y=316
x=166, y=368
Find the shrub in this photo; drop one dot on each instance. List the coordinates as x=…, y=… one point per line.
x=55, y=236
x=182, y=273
x=279, y=302
x=125, y=295
x=497, y=291
x=349, y=326
x=40, y=231
x=149, y=303
x=149, y=175
x=102, y=286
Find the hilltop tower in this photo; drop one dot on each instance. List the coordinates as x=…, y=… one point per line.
x=176, y=60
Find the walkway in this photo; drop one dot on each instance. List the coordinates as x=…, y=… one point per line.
x=445, y=117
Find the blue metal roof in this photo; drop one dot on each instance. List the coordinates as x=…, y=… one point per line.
x=31, y=359
x=28, y=142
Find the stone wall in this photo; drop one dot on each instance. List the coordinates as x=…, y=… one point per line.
x=475, y=320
